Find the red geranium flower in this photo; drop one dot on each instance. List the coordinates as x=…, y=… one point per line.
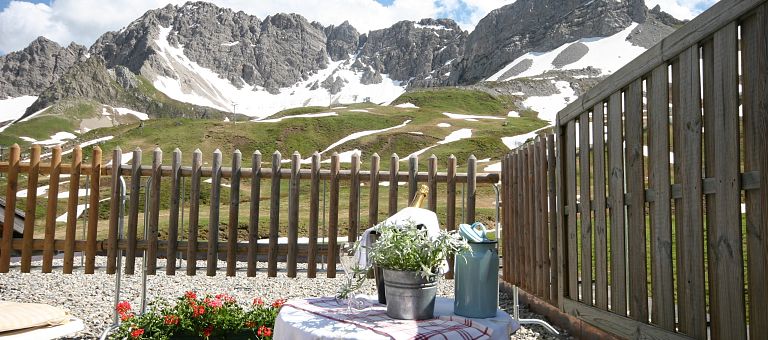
x=126, y=316
x=137, y=333
x=207, y=331
x=123, y=307
x=190, y=295
x=171, y=319
x=258, y=302
x=264, y=331
x=200, y=310
x=278, y=303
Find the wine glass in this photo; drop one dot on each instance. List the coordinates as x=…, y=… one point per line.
x=354, y=275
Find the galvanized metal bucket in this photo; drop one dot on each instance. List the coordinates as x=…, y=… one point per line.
x=409, y=295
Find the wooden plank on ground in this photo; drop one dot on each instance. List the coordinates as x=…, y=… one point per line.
x=585, y=209
x=93, y=211
x=274, y=215
x=754, y=61
x=619, y=325
x=29, y=211
x=598, y=183
x=234, y=212
x=662, y=314
x=50, y=219
x=194, y=211
x=721, y=126
x=618, y=295
x=687, y=142
x=638, y=291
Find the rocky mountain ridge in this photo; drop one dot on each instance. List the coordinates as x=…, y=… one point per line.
x=284, y=54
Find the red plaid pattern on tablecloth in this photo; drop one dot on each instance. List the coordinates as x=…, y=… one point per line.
x=376, y=320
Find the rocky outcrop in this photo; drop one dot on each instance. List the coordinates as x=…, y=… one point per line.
x=31, y=70
x=539, y=25
x=409, y=50
x=342, y=41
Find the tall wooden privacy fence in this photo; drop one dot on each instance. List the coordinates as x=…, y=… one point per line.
x=164, y=182
x=658, y=223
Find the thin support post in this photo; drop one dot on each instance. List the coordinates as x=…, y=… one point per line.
x=516, y=315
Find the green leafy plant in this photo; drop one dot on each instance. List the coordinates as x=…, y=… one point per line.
x=208, y=317
x=408, y=248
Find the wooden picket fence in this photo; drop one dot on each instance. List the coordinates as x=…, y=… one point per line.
x=654, y=221
x=234, y=250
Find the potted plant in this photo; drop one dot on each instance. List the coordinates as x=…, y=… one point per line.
x=412, y=263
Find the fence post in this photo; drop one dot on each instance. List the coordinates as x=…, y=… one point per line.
x=194, y=211
x=394, y=168
x=29, y=212
x=173, y=219
x=213, y=220
x=373, y=199
x=274, y=215
x=74, y=188
x=432, y=181
x=333, y=216
x=471, y=193
x=93, y=211
x=314, y=211
x=253, y=222
x=114, y=210
x=293, y=213
x=354, y=198
x=50, y=217
x=133, y=212
x=10, y=208
x=154, y=212
x=234, y=212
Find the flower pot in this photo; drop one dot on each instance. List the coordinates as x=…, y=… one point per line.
x=409, y=295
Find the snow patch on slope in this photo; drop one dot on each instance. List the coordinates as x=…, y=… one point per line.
x=201, y=86
x=12, y=109
x=605, y=53
x=549, y=106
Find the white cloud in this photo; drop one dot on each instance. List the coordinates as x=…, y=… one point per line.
x=682, y=9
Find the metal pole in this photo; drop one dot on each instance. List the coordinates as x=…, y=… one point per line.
x=118, y=276
x=516, y=315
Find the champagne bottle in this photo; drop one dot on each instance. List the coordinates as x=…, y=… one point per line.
x=420, y=197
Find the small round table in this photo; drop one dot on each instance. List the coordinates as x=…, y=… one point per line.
x=324, y=318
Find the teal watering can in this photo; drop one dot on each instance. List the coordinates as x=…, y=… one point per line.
x=476, y=274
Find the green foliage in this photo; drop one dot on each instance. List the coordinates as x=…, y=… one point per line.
x=407, y=248
x=458, y=101
x=299, y=110
x=210, y=317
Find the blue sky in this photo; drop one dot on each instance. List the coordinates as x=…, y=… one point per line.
x=83, y=21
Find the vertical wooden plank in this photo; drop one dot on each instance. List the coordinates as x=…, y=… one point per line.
x=173, y=218
x=561, y=270
x=194, y=211
x=394, y=168
x=373, y=199
x=314, y=211
x=293, y=213
x=526, y=220
x=536, y=233
x=354, y=198
x=517, y=205
x=553, y=229
x=214, y=214
x=616, y=204
x=413, y=170
x=29, y=211
x=10, y=207
x=432, y=182
x=532, y=202
x=93, y=211
x=638, y=291
x=450, y=204
x=543, y=240
x=721, y=132
x=471, y=193
x=687, y=144
x=50, y=218
x=570, y=184
x=74, y=188
x=234, y=212
x=585, y=209
x=133, y=212
x=274, y=215
x=114, y=210
x=754, y=61
x=253, y=221
x=662, y=314
x=154, y=211
x=598, y=183
x=522, y=224
x=333, y=215
x=505, y=207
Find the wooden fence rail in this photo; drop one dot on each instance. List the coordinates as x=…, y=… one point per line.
x=162, y=203
x=655, y=212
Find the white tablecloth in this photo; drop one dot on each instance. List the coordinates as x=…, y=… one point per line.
x=294, y=323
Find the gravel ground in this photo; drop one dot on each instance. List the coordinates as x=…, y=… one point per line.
x=91, y=297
